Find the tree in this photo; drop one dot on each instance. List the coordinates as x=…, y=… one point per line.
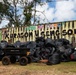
x=28, y=9
x=3, y=10
x=10, y=11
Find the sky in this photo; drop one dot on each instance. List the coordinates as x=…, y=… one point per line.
x=57, y=11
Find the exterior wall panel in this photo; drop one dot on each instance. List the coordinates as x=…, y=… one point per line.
x=57, y=30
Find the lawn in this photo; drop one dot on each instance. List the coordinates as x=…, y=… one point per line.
x=65, y=68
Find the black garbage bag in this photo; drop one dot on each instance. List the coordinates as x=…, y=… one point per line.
x=34, y=50
x=25, y=44
x=37, y=52
x=73, y=56
x=40, y=53
x=68, y=49
x=64, y=41
x=3, y=44
x=65, y=52
x=40, y=39
x=44, y=53
x=34, y=53
x=65, y=58
x=50, y=50
x=54, y=59
x=61, y=49
x=31, y=45
x=17, y=44
x=57, y=43
x=1, y=52
x=39, y=56
x=40, y=44
x=49, y=43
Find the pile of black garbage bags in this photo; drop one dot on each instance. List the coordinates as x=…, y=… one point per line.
x=55, y=51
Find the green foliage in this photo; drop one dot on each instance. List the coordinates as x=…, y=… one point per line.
x=11, y=12
x=3, y=9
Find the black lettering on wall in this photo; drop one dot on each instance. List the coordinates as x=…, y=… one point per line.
x=42, y=34
x=52, y=33
x=54, y=37
x=30, y=34
x=64, y=32
x=58, y=37
x=70, y=32
x=21, y=35
x=37, y=33
x=26, y=34
x=7, y=36
x=47, y=33
x=74, y=31
x=15, y=35
x=57, y=32
x=18, y=35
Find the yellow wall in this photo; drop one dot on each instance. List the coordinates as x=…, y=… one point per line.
x=60, y=28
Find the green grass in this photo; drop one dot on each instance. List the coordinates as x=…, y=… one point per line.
x=64, y=68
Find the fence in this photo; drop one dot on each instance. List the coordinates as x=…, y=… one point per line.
x=54, y=31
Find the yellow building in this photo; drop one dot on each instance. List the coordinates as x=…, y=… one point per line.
x=56, y=30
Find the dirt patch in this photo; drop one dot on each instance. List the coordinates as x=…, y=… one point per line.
x=39, y=69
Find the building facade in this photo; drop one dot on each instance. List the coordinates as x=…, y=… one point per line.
x=57, y=30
